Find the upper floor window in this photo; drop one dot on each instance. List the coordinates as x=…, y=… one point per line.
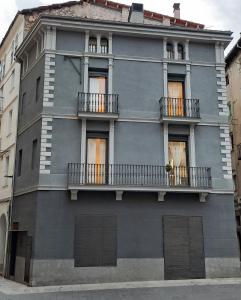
x=20, y=157
x=12, y=79
x=104, y=45
x=37, y=89
x=180, y=51
x=93, y=44
x=34, y=154
x=170, y=51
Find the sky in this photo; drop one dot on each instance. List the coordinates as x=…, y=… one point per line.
x=215, y=14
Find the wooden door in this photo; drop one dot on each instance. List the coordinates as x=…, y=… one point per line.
x=183, y=248
x=175, y=105
x=96, y=160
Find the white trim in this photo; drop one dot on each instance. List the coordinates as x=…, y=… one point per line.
x=187, y=50
x=110, y=43
x=110, y=76
x=83, y=141
x=165, y=48
x=111, y=188
x=165, y=143
x=188, y=82
x=192, y=146
x=175, y=50
x=86, y=73
x=165, y=80
x=111, y=142
x=87, y=35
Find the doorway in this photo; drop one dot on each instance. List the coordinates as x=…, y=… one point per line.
x=97, y=160
x=183, y=247
x=3, y=236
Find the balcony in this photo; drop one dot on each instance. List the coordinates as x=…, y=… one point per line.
x=179, y=110
x=98, y=106
x=126, y=177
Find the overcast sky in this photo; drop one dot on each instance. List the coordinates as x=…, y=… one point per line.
x=215, y=14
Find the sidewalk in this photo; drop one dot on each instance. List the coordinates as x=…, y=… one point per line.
x=200, y=289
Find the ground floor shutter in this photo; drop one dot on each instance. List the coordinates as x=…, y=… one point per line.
x=183, y=247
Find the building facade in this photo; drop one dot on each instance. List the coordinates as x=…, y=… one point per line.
x=123, y=167
x=10, y=78
x=233, y=77
x=9, y=89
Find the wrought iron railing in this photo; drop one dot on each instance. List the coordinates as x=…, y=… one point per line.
x=98, y=103
x=179, y=107
x=138, y=175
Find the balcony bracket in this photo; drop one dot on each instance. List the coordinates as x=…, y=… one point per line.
x=74, y=195
x=118, y=195
x=161, y=196
x=203, y=197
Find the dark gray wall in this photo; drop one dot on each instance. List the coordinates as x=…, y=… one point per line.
x=65, y=144
x=202, y=52
x=139, y=217
x=137, y=147
x=68, y=82
x=70, y=41
x=134, y=46
x=29, y=177
x=140, y=86
x=28, y=86
x=204, y=88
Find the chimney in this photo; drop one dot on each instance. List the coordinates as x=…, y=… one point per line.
x=176, y=10
x=136, y=13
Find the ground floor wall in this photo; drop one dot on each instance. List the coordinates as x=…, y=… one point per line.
x=3, y=233
x=139, y=218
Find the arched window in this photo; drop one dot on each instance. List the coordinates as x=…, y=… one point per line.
x=92, y=44
x=104, y=45
x=180, y=51
x=170, y=51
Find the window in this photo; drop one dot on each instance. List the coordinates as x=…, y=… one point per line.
x=180, y=51
x=178, y=159
x=97, y=93
x=10, y=119
x=93, y=44
x=227, y=79
x=37, y=96
x=6, y=170
x=170, y=51
x=175, y=103
x=34, y=154
x=12, y=79
x=95, y=241
x=20, y=157
x=97, y=159
x=104, y=45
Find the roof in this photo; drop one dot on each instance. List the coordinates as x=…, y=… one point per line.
x=109, y=4
x=233, y=53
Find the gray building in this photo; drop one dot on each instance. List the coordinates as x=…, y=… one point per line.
x=123, y=169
